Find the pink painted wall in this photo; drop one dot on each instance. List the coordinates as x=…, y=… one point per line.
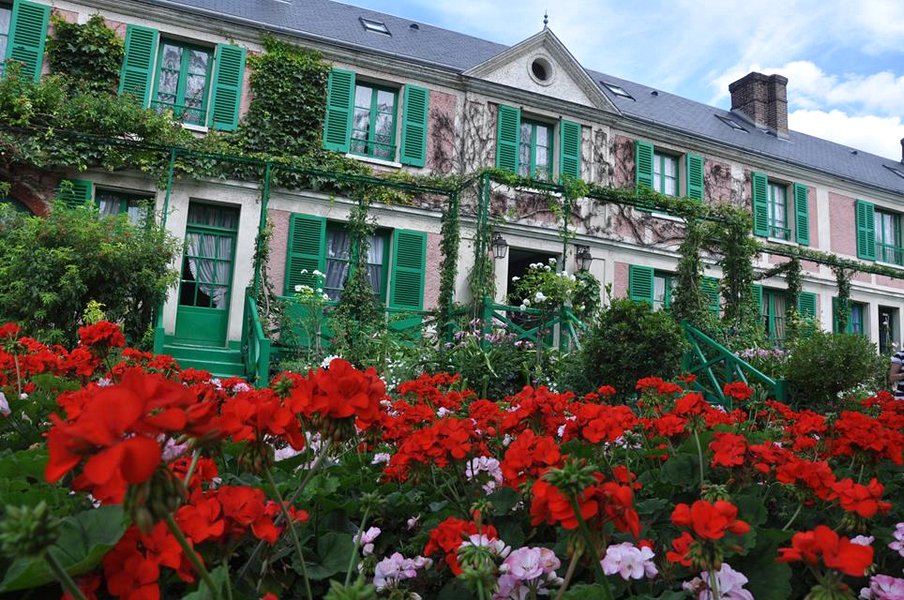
x=117, y=26
x=890, y=282
x=624, y=161
x=717, y=181
x=246, y=89
x=864, y=277
x=620, y=280
x=432, y=271
x=279, y=241
x=842, y=229
x=440, y=141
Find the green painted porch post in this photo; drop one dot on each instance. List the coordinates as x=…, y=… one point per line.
x=262, y=225
x=159, y=331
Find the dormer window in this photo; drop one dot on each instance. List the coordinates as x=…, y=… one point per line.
x=374, y=26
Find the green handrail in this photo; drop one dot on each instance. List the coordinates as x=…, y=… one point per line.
x=715, y=365
x=256, y=345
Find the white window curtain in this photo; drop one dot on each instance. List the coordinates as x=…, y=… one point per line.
x=211, y=275
x=338, y=248
x=375, y=254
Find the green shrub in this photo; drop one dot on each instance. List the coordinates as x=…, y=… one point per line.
x=52, y=267
x=629, y=341
x=826, y=367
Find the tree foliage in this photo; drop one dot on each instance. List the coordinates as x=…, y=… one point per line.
x=52, y=267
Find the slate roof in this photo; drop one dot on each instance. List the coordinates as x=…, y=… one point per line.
x=458, y=52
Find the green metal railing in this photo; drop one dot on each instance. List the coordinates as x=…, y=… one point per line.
x=714, y=365
x=255, y=345
x=540, y=327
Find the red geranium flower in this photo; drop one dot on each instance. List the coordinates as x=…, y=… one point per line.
x=837, y=552
x=710, y=521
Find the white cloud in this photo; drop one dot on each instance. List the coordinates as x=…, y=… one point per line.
x=878, y=135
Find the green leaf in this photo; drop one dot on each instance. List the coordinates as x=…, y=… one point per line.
x=751, y=509
x=219, y=576
x=651, y=506
x=585, y=591
x=504, y=500
x=84, y=540
x=334, y=550
x=682, y=471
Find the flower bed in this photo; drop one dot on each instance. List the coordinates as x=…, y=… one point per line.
x=325, y=485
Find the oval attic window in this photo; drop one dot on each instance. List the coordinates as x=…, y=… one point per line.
x=541, y=69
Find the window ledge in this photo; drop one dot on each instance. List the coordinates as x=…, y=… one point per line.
x=196, y=128
x=776, y=240
x=666, y=217
x=888, y=264
x=375, y=161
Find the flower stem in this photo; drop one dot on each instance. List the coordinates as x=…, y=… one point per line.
x=192, y=466
x=63, y=577
x=794, y=516
x=351, y=560
x=572, y=566
x=307, y=479
x=192, y=556
x=699, y=455
x=291, y=525
x=594, y=553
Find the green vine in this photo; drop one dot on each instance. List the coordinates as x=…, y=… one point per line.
x=690, y=303
x=450, y=234
x=794, y=280
x=88, y=55
x=843, y=302
x=358, y=319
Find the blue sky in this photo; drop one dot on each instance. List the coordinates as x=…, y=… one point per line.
x=844, y=59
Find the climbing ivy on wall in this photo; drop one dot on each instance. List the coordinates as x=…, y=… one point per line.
x=88, y=55
x=285, y=116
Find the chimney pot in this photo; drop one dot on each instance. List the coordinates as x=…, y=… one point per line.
x=764, y=99
x=902, y=150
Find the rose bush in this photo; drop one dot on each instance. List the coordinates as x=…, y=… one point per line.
x=124, y=476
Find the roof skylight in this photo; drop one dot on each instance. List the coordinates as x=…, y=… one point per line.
x=732, y=123
x=375, y=26
x=617, y=90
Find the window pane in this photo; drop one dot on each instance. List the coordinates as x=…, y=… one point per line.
x=363, y=96
x=198, y=62
x=385, y=101
x=172, y=58
x=5, y=18
x=671, y=166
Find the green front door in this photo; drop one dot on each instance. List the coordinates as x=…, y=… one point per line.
x=206, y=281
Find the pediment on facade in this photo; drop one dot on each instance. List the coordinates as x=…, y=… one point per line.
x=542, y=64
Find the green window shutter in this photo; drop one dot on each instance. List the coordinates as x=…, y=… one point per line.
x=806, y=304
x=643, y=164
x=508, y=132
x=409, y=258
x=228, y=76
x=640, y=284
x=801, y=215
x=27, y=34
x=695, y=176
x=306, y=251
x=414, y=126
x=758, y=298
x=340, y=106
x=137, y=72
x=865, y=216
x=78, y=194
x=570, y=144
x=710, y=287
x=760, y=184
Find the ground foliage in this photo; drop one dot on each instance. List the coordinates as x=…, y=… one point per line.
x=428, y=488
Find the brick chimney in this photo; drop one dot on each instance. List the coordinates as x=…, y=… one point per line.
x=764, y=99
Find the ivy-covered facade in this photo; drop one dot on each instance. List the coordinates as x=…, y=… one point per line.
x=421, y=106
